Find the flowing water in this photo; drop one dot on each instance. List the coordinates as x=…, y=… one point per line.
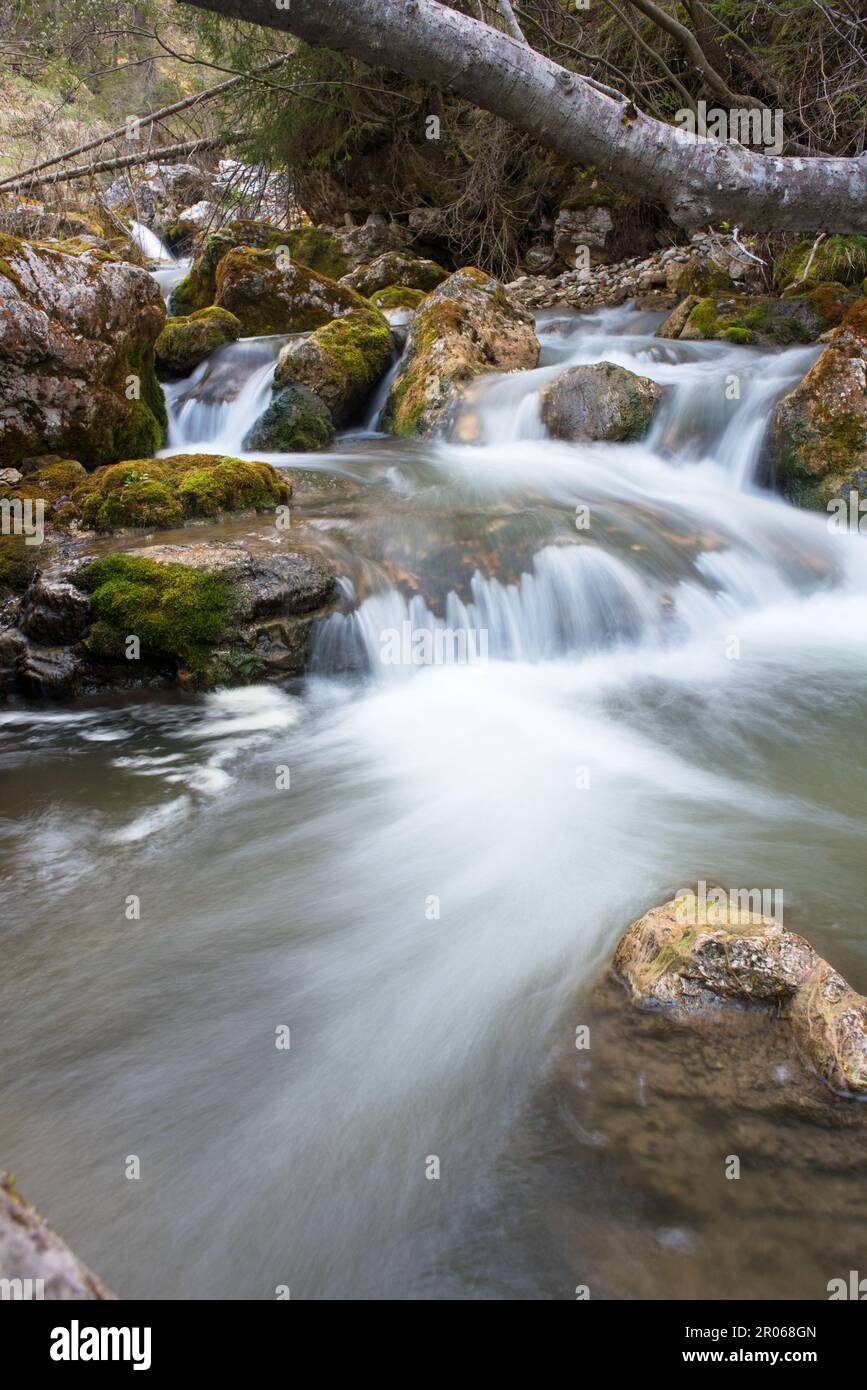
x=663, y=680
x=168, y=270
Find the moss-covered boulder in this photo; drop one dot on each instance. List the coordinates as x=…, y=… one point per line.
x=164, y=492
x=397, y=297
x=341, y=362
x=178, y=613
x=18, y=563
x=762, y=320
x=699, y=951
x=296, y=421
x=77, y=373
x=271, y=294
x=816, y=449
x=601, y=401
x=317, y=248
x=206, y=613
x=841, y=259
x=466, y=326
x=395, y=268
x=188, y=340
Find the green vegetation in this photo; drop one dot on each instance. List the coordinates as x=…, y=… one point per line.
x=164, y=492
x=177, y=612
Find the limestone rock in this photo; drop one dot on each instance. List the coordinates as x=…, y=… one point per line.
x=601, y=401
x=31, y=1251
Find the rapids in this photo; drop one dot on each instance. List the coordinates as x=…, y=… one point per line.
x=674, y=690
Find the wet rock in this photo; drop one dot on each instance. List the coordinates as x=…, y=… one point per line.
x=466, y=326
x=295, y=421
x=186, y=341
x=341, y=362
x=602, y=402
x=77, y=375
x=395, y=268
x=34, y=1259
x=53, y=611
x=689, y=957
x=270, y=294
x=816, y=448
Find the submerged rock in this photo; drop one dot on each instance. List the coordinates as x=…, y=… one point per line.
x=602, y=401
x=35, y=1260
x=341, y=362
x=295, y=421
x=466, y=326
x=688, y=958
x=816, y=450
x=188, y=340
x=77, y=334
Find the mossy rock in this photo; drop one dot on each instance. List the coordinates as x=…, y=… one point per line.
x=188, y=340
x=270, y=294
x=842, y=259
x=817, y=445
x=178, y=613
x=18, y=563
x=312, y=247
x=296, y=421
x=766, y=320
x=398, y=297
x=341, y=362
x=159, y=493
x=588, y=190
x=466, y=326
x=396, y=268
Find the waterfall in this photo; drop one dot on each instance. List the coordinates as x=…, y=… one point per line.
x=149, y=243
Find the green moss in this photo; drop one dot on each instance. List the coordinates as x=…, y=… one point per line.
x=186, y=341
x=738, y=335
x=588, y=190
x=838, y=258
x=397, y=297
x=318, y=250
x=342, y=361
x=176, y=612
x=149, y=492
x=296, y=421
x=18, y=562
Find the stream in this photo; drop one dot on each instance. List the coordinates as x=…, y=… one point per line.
x=671, y=687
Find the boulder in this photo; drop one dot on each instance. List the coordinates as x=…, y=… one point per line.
x=601, y=401
x=395, y=268
x=189, y=339
x=297, y=420
x=33, y=1258
x=163, y=492
x=816, y=448
x=77, y=334
x=341, y=362
x=361, y=245
x=694, y=954
x=466, y=326
x=317, y=248
x=270, y=293
x=760, y=319
x=576, y=227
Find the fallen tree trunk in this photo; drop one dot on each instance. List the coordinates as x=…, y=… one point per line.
x=121, y=132
x=158, y=154
x=698, y=179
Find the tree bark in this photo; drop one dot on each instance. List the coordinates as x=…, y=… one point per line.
x=699, y=180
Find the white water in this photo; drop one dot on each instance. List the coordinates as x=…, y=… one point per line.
x=168, y=270
x=416, y=1034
